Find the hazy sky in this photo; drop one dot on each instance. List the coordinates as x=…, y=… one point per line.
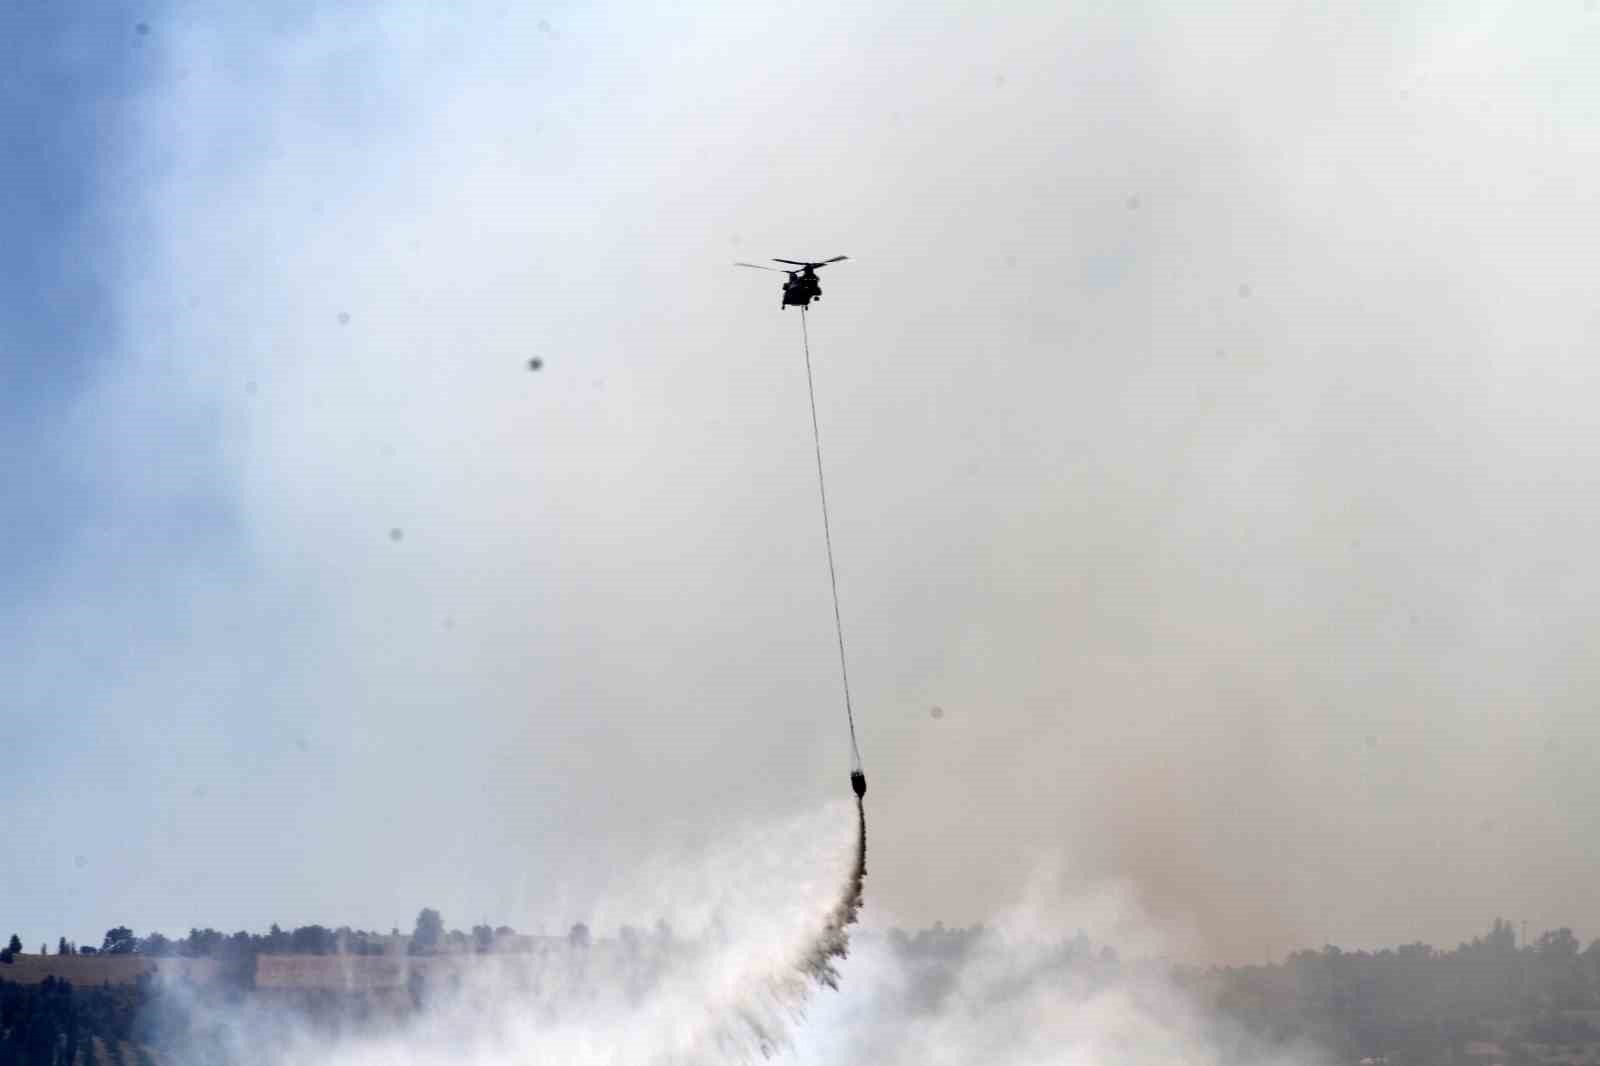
x=1208, y=408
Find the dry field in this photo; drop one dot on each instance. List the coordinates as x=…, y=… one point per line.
x=103, y=969
x=373, y=973
x=349, y=973
x=346, y=973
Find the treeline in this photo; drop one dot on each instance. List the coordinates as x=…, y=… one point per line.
x=1490, y=1001
x=1489, y=998
x=211, y=944
x=306, y=940
x=428, y=937
x=932, y=963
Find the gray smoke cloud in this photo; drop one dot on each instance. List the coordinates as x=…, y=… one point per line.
x=1206, y=406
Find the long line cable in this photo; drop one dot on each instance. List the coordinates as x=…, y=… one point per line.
x=827, y=538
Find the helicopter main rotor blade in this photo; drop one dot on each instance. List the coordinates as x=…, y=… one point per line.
x=825, y=262
x=758, y=266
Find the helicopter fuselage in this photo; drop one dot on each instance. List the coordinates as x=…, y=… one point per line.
x=801, y=289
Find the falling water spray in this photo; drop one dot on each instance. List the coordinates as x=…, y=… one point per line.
x=833, y=943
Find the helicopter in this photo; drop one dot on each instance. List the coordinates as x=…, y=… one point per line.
x=802, y=286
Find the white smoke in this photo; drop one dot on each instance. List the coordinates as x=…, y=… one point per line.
x=1029, y=990
x=730, y=983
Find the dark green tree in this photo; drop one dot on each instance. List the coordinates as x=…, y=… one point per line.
x=201, y=943
x=313, y=940
x=1558, y=973
x=428, y=933
x=277, y=941
x=15, y=945
x=119, y=941
x=578, y=936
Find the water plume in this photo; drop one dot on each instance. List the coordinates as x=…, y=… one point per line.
x=750, y=929
x=833, y=943
x=762, y=1022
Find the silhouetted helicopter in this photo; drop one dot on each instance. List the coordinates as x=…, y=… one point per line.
x=802, y=286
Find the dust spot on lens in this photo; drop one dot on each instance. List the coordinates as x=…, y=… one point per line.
x=1133, y=203
x=935, y=712
x=535, y=363
x=1244, y=291
x=142, y=29
x=80, y=862
x=344, y=318
x=397, y=534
